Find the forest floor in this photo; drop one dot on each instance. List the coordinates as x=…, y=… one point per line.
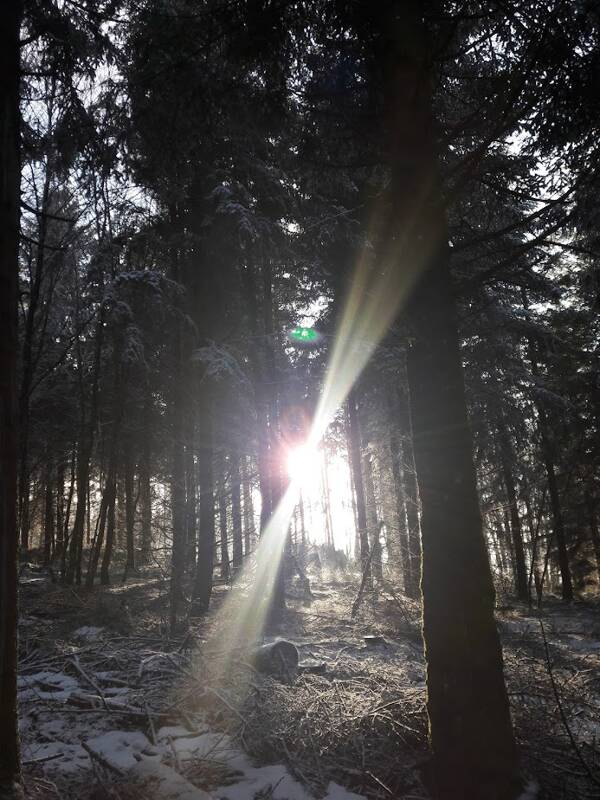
x=111, y=707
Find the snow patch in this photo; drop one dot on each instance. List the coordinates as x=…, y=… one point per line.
x=89, y=632
x=337, y=792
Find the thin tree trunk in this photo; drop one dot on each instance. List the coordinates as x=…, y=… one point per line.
x=48, y=510
x=84, y=454
x=203, y=582
x=191, y=532
x=594, y=534
x=353, y=432
x=236, y=511
x=60, y=507
x=145, y=488
x=10, y=770
x=412, y=499
x=400, y=540
x=111, y=513
x=177, y=415
x=67, y=522
x=128, y=480
x=520, y=568
x=327, y=500
x=302, y=525
x=249, y=532
x=223, y=532
x=373, y=528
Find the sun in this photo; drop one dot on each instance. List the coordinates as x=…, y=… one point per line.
x=303, y=465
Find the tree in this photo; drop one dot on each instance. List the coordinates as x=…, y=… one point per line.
x=466, y=694
x=10, y=774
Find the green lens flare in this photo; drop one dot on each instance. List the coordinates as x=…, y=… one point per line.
x=302, y=334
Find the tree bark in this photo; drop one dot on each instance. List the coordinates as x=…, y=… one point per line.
x=518, y=552
x=49, y=517
x=203, y=581
x=353, y=433
x=128, y=480
x=145, y=488
x=400, y=539
x=10, y=771
x=474, y=752
x=236, y=511
x=223, y=533
x=249, y=532
x=373, y=530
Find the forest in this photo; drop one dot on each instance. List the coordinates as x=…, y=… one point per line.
x=299, y=400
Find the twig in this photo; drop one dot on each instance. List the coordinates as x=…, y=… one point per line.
x=561, y=711
x=93, y=684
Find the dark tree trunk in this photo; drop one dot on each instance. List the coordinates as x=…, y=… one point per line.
x=372, y=521
x=548, y=455
x=111, y=516
x=177, y=491
x=191, y=532
x=67, y=522
x=327, y=501
x=411, y=498
x=84, y=454
x=520, y=568
x=594, y=534
x=473, y=747
x=49, y=517
x=353, y=433
x=98, y=541
x=399, y=541
x=236, y=511
x=128, y=480
x=10, y=771
x=302, y=525
x=556, y=508
x=177, y=415
x=249, y=532
x=60, y=507
x=203, y=581
x=145, y=489
x=223, y=533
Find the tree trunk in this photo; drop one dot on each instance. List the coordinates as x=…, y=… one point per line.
x=98, y=541
x=236, y=511
x=373, y=529
x=223, y=533
x=327, y=501
x=353, y=433
x=518, y=553
x=60, y=507
x=594, y=534
x=412, y=499
x=111, y=514
x=203, y=581
x=191, y=532
x=84, y=454
x=556, y=508
x=128, y=480
x=48, y=510
x=249, y=532
x=10, y=771
x=145, y=488
x=400, y=538
x=177, y=490
x=474, y=752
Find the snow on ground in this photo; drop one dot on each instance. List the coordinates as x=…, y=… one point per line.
x=64, y=742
